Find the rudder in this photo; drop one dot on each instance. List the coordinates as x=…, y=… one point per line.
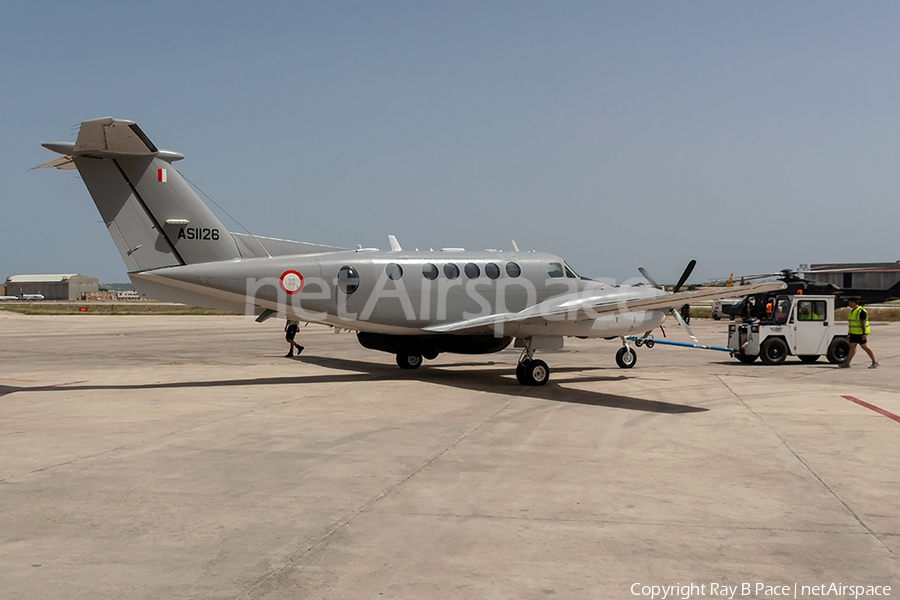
x=152, y=214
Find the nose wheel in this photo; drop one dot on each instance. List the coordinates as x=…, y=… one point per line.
x=626, y=358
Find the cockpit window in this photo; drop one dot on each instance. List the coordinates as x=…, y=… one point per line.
x=555, y=270
x=348, y=280
x=570, y=272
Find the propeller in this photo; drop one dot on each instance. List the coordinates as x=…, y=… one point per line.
x=675, y=313
x=687, y=273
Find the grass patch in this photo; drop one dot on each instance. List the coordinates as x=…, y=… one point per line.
x=875, y=314
x=109, y=308
x=701, y=312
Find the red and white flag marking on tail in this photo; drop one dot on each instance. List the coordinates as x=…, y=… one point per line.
x=161, y=175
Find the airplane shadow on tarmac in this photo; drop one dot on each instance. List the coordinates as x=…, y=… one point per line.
x=492, y=380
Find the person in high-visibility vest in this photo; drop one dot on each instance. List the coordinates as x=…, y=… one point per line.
x=858, y=332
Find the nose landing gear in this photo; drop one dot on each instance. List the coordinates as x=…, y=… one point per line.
x=626, y=357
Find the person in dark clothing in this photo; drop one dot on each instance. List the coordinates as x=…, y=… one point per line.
x=290, y=330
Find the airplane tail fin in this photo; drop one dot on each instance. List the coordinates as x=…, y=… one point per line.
x=152, y=214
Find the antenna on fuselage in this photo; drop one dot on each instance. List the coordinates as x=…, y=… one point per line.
x=515, y=245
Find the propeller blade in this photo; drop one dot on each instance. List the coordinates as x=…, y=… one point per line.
x=687, y=273
x=684, y=325
x=646, y=275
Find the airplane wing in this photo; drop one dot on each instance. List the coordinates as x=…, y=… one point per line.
x=580, y=307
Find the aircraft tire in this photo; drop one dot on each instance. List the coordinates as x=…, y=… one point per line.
x=409, y=361
x=838, y=351
x=626, y=358
x=773, y=351
x=537, y=372
x=808, y=358
x=716, y=317
x=521, y=377
x=430, y=354
x=746, y=358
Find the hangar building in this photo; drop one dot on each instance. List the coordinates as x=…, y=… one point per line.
x=872, y=276
x=52, y=287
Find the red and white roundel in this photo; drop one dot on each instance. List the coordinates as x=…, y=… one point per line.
x=291, y=282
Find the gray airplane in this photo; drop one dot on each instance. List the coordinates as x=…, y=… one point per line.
x=415, y=305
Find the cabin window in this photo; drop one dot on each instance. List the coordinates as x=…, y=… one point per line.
x=555, y=270
x=492, y=270
x=394, y=271
x=472, y=271
x=348, y=280
x=811, y=310
x=451, y=271
x=513, y=269
x=429, y=271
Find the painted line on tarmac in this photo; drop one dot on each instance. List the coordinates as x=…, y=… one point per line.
x=877, y=409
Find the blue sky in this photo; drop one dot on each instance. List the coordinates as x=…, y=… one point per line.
x=750, y=136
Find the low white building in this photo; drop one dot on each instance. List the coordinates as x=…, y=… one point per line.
x=52, y=287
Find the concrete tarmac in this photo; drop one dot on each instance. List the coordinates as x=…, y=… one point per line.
x=185, y=457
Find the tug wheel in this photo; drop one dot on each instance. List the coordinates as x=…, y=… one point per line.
x=773, y=351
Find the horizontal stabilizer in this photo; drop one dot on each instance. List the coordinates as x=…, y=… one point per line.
x=63, y=163
x=109, y=136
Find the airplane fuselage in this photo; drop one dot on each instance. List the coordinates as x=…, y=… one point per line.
x=402, y=292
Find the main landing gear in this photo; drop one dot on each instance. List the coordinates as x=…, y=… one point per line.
x=531, y=371
x=413, y=360
x=409, y=361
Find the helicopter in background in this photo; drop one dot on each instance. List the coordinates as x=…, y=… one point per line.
x=754, y=306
